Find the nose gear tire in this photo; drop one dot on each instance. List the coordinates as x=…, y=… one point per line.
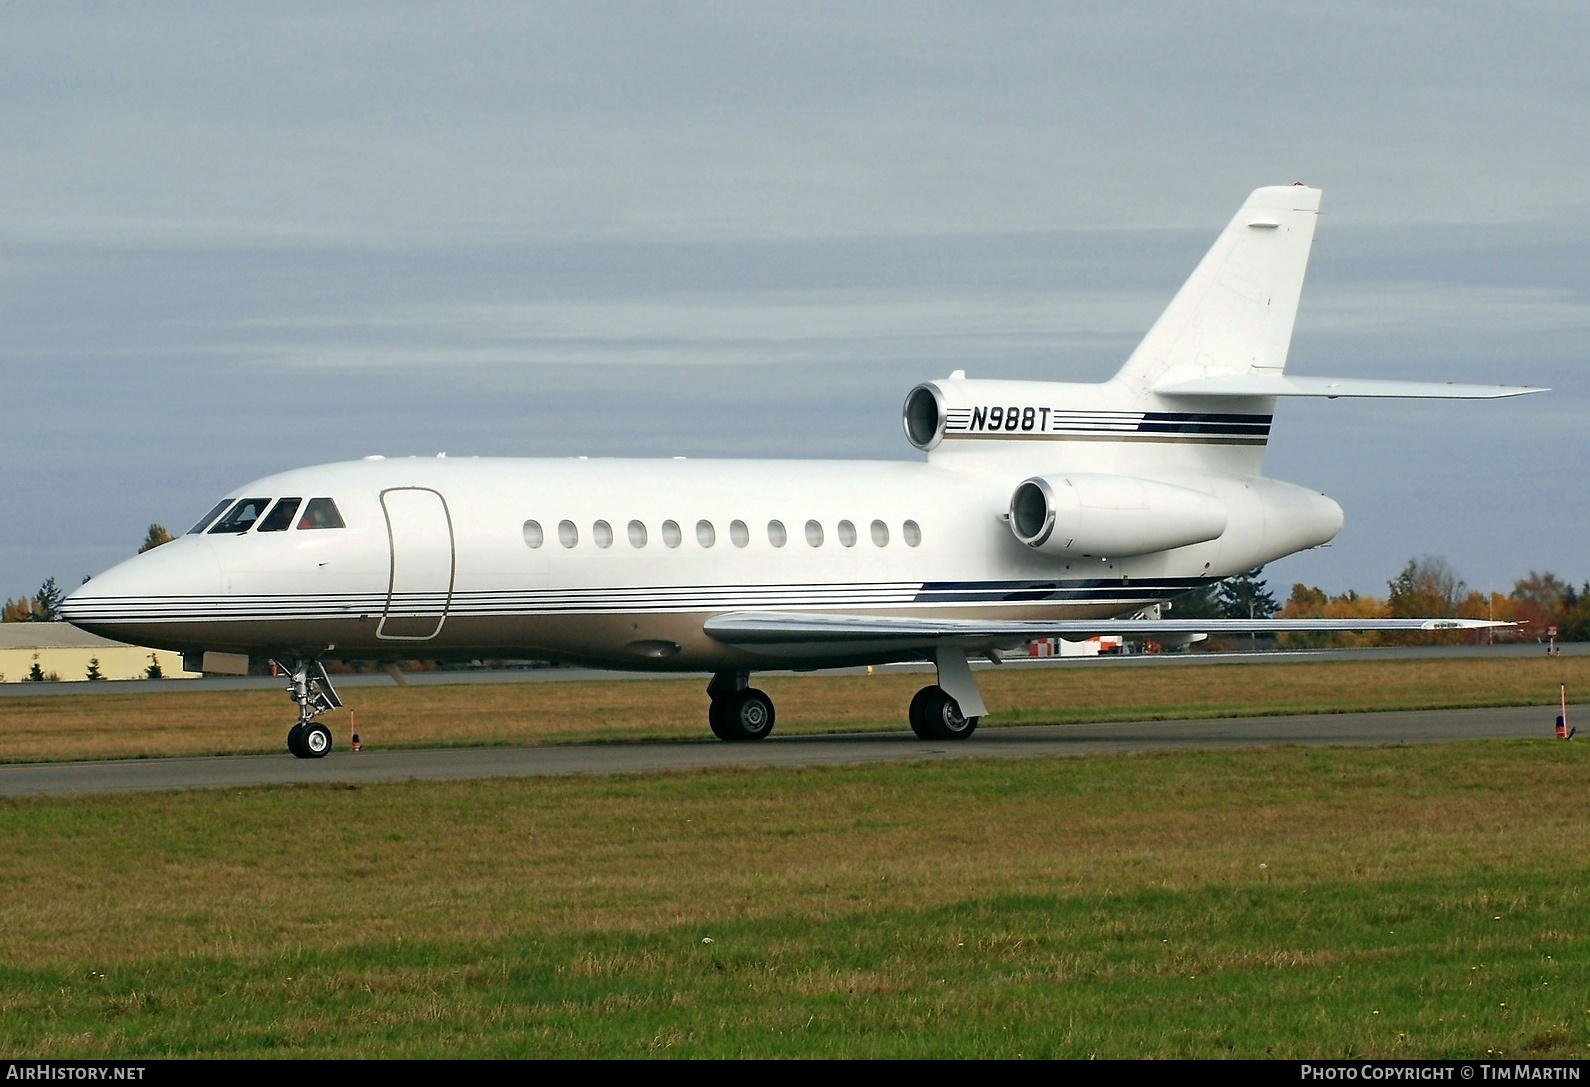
x=317, y=741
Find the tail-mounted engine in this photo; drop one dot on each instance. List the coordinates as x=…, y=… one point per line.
x=1080, y=515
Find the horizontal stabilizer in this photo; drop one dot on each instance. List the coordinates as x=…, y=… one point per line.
x=1287, y=385
x=785, y=628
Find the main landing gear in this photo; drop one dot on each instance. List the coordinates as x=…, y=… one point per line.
x=951, y=708
x=738, y=711
x=948, y=710
x=935, y=715
x=311, y=688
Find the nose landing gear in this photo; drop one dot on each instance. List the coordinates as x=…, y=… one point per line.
x=311, y=688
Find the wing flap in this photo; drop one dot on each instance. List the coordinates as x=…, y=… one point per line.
x=785, y=628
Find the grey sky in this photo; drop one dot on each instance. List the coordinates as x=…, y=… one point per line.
x=237, y=242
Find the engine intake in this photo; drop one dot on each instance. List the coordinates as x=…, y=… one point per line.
x=1101, y=516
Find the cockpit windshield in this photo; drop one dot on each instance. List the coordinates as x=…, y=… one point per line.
x=280, y=518
x=321, y=513
x=208, y=518
x=241, y=517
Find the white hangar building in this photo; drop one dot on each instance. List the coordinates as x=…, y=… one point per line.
x=63, y=652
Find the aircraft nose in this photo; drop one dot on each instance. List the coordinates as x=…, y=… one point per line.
x=131, y=595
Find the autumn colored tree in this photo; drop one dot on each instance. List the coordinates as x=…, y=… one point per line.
x=1306, y=602
x=1312, y=603
x=156, y=536
x=1427, y=588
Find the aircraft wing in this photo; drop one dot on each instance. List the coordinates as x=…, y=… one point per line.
x=748, y=628
x=1332, y=387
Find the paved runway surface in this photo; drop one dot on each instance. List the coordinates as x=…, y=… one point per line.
x=436, y=764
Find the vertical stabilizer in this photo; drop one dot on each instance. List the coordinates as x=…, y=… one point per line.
x=1234, y=316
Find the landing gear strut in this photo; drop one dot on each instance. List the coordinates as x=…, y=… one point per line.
x=311, y=688
x=738, y=711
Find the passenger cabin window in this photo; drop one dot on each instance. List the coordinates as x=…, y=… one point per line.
x=321, y=513
x=814, y=533
x=880, y=534
x=210, y=517
x=568, y=535
x=637, y=534
x=912, y=533
x=671, y=534
x=739, y=534
x=280, y=518
x=241, y=517
x=533, y=536
x=776, y=534
x=847, y=534
x=706, y=535
x=602, y=533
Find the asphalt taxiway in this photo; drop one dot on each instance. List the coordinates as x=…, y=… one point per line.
x=456, y=763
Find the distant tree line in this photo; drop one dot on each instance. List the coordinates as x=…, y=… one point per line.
x=1427, y=587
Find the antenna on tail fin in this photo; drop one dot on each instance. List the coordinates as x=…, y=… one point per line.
x=1234, y=316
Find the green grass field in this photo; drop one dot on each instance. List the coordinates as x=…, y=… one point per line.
x=1399, y=901
x=201, y=722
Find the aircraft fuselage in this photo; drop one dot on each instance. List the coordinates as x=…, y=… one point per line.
x=630, y=557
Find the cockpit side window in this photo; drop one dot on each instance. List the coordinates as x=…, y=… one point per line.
x=321, y=513
x=241, y=517
x=209, y=518
x=280, y=518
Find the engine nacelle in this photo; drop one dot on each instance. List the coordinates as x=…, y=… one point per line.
x=1083, y=515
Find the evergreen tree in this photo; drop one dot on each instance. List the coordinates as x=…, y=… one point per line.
x=47, y=602
x=35, y=674
x=1245, y=596
x=1200, y=603
x=93, y=669
x=153, y=671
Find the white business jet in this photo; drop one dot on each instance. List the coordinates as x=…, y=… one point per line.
x=1042, y=509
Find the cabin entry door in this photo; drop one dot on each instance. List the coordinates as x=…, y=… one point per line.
x=423, y=564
